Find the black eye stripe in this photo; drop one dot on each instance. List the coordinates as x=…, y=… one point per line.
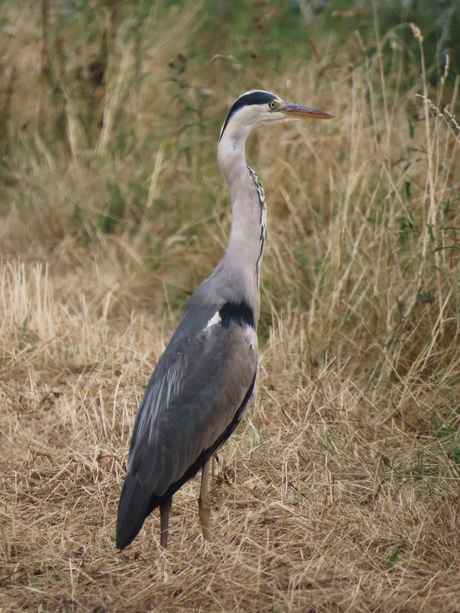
x=257, y=97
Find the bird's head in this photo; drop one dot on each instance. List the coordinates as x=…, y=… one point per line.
x=257, y=107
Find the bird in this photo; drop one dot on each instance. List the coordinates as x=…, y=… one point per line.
x=200, y=388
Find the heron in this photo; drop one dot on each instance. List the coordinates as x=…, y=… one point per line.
x=200, y=388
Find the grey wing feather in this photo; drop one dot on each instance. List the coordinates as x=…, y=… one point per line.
x=201, y=381
x=190, y=400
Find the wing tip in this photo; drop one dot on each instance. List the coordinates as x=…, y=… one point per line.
x=128, y=528
x=131, y=512
x=133, y=509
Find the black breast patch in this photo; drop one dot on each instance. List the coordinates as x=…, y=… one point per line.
x=238, y=312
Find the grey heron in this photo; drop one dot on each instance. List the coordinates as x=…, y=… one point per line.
x=201, y=386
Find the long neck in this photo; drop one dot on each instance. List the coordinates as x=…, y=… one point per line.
x=243, y=256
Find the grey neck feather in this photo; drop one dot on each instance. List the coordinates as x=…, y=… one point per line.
x=239, y=268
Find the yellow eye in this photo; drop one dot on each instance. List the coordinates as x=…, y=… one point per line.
x=272, y=104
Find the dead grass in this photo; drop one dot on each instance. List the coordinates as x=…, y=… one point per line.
x=321, y=501
x=340, y=492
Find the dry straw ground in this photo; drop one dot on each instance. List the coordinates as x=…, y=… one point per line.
x=340, y=491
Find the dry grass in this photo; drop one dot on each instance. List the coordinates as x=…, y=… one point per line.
x=340, y=492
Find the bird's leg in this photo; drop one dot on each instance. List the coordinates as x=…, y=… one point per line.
x=204, y=508
x=164, y=521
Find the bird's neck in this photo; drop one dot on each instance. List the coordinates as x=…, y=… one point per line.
x=243, y=256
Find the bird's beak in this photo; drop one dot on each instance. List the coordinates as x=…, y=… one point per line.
x=290, y=110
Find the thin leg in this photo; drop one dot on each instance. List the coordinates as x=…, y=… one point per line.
x=164, y=521
x=204, y=508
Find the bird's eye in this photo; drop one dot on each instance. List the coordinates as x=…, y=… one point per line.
x=272, y=104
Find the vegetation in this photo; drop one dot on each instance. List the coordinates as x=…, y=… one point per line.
x=340, y=492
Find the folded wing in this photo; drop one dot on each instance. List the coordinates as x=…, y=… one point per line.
x=193, y=402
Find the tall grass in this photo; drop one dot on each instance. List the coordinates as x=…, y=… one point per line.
x=340, y=492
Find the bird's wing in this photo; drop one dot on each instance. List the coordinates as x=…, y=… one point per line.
x=197, y=388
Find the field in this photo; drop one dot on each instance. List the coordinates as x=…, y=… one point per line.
x=340, y=492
